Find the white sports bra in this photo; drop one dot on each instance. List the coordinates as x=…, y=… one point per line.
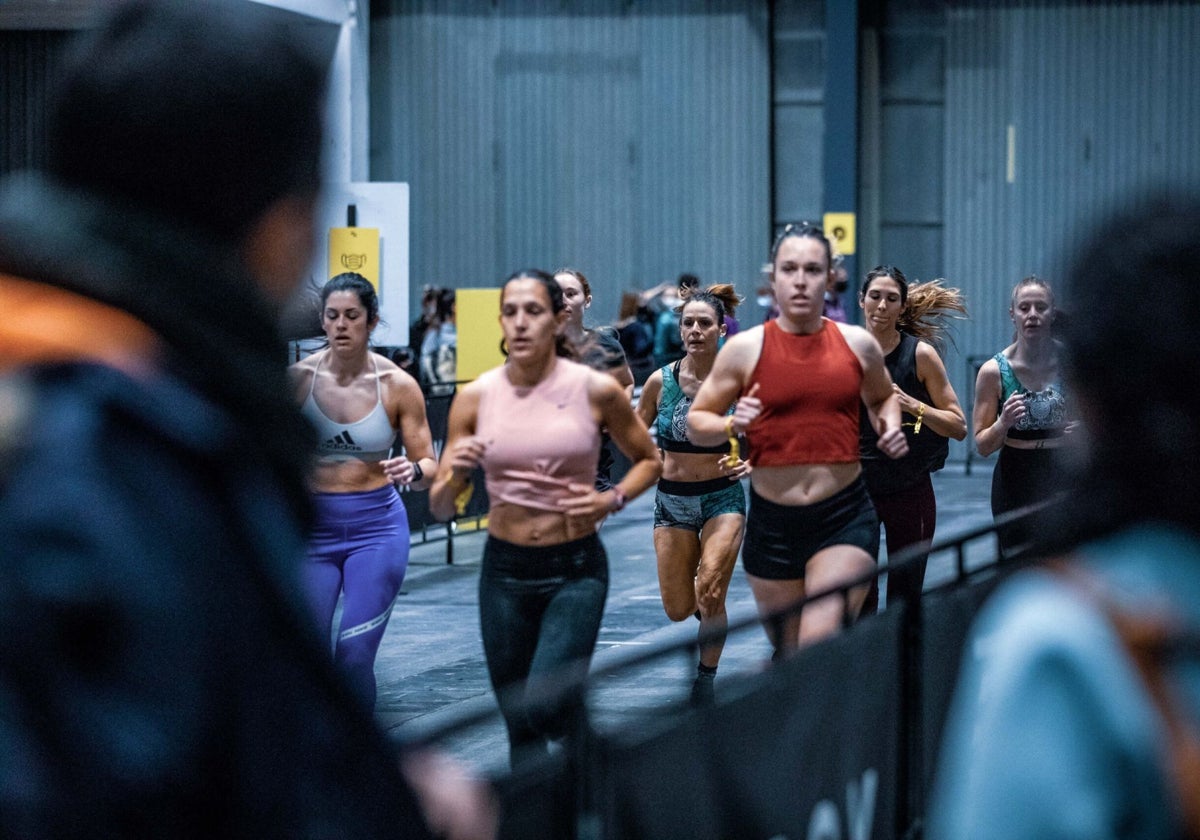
x=368, y=439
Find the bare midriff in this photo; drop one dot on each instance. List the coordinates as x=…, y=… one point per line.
x=348, y=476
x=530, y=526
x=803, y=484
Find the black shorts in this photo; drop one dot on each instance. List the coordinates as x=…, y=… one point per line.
x=780, y=539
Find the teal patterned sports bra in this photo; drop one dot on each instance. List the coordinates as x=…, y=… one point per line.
x=1047, y=408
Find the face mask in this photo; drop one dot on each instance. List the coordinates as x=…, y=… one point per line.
x=840, y=286
x=764, y=301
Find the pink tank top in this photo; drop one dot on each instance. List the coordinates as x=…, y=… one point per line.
x=538, y=440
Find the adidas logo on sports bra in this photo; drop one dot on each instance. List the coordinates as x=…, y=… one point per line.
x=342, y=441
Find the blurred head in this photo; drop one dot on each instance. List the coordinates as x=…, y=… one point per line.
x=533, y=315
x=444, y=307
x=631, y=302
x=838, y=281
x=1133, y=362
x=205, y=114
x=429, y=302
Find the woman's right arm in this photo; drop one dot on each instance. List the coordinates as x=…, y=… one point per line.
x=990, y=428
x=647, y=407
x=461, y=454
x=706, y=419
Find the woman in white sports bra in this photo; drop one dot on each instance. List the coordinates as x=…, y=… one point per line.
x=358, y=401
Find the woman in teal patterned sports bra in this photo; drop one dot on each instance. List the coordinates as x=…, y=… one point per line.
x=1021, y=410
x=700, y=506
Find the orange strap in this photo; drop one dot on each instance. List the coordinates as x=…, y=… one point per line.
x=43, y=323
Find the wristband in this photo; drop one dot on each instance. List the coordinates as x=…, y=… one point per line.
x=418, y=473
x=618, y=498
x=734, y=450
x=920, y=417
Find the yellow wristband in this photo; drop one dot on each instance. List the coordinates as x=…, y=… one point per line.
x=920, y=418
x=734, y=450
x=463, y=498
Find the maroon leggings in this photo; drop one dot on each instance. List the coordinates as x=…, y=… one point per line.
x=907, y=517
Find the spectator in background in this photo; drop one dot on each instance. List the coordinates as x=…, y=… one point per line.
x=635, y=329
x=159, y=674
x=835, y=304
x=1077, y=710
x=439, y=348
x=668, y=345
x=427, y=320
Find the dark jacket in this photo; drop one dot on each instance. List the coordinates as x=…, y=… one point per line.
x=159, y=675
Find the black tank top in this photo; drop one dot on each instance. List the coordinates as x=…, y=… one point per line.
x=926, y=451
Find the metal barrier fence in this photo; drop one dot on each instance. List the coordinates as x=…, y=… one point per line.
x=857, y=716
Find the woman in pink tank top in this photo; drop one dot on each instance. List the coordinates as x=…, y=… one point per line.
x=533, y=426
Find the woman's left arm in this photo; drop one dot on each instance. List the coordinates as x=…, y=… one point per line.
x=633, y=439
x=883, y=406
x=944, y=416
x=406, y=400
x=614, y=412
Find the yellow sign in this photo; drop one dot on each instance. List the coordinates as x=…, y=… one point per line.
x=355, y=249
x=839, y=227
x=479, y=334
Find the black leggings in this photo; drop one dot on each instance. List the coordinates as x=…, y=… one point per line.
x=1022, y=477
x=540, y=609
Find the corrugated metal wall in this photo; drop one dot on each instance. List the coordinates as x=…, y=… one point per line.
x=629, y=140
x=1101, y=101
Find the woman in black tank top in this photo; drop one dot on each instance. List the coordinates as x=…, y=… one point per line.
x=903, y=320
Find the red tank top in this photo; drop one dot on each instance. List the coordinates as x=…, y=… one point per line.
x=810, y=390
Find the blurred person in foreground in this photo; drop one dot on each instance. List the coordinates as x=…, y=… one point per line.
x=159, y=675
x=1076, y=713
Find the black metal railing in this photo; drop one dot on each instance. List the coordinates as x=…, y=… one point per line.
x=570, y=787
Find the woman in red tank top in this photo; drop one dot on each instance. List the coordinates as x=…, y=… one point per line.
x=798, y=381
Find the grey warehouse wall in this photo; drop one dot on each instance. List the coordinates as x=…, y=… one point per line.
x=628, y=140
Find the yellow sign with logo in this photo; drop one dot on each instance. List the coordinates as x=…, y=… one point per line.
x=479, y=334
x=839, y=229
x=355, y=249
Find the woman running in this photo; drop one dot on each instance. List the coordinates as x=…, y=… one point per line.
x=797, y=381
x=599, y=348
x=904, y=320
x=700, y=507
x=358, y=400
x=1021, y=410
x=533, y=426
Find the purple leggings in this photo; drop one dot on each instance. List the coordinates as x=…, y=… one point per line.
x=359, y=549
